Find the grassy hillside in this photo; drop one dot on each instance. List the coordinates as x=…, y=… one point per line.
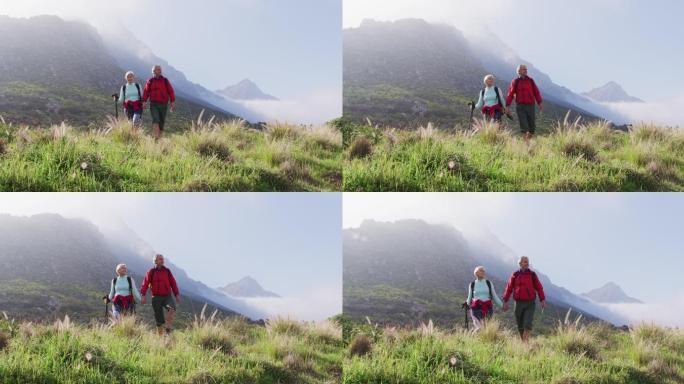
x=42, y=105
x=208, y=351
x=207, y=156
x=393, y=306
x=574, y=157
x=571, y=353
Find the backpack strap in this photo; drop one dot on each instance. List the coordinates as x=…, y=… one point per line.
x=137, y=86
x=472, y=287
x=123, y=93
x=482, y=94
x=498, y=99
x=489, y=285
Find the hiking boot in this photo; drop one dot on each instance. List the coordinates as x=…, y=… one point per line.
x=168, y=331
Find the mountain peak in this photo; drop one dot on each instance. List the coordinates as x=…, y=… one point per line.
x=246, y=89
x=611, y=92
x=246, y=287
x=610, y=293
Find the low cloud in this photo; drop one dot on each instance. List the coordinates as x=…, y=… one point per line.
x=669, y=314
x=666, y=113
x=320, y=305
x=317, y=108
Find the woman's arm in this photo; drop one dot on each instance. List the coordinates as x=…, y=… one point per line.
x=495, y=296
x=470, y=294
x=111, y=290
x=480, y=101
x=136, y=293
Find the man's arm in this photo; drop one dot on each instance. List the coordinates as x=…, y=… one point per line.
x=511, y=93
x=145, y=284
x=147, y=91
x=509, y=289
x=537, y=94
x=539, y=288
x=174, y=286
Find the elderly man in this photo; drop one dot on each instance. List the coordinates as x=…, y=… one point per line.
x=159, y=92
x=526, y=93
x=524, y=286
x=164, y=289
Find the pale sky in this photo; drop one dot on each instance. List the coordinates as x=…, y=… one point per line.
x=581, y=240
x=581, y=44
x=289, y=242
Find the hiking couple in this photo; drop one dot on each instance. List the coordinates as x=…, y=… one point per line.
x=523, y=90
x=523, y=285
x=158, y=91
x=124, y=295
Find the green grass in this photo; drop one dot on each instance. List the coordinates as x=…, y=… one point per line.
x=208, y=156
x=208, y=351
x=571, y=353
x=574, y=157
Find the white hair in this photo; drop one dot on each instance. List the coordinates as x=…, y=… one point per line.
x=128, y=73
x=158, y=255
x=490, y=76
x=521, y=66
x=155, y=67
x=523, y=257
x=478, y=269
x=119, y=267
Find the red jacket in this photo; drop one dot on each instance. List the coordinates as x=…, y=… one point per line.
x=159, y=90
x=524, y=285
x=525, y=91
x=162, y=282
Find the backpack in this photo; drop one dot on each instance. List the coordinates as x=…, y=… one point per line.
x=489, y=285
x=123, y=91
x=498, y=97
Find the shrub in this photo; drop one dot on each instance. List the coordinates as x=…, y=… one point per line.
x=361, y=345
x=360, y=148
x=279, y=132
x=4, y=340
x=211, y=146
x=284, y=326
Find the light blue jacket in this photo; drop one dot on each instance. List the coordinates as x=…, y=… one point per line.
x=131, y=93
x=489, y=99
x=120, y=287
x=481, y=292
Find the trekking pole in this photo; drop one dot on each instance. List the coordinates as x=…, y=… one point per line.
x=465, y=313
x=471, y=104
x=105, y=298
x=115, y=96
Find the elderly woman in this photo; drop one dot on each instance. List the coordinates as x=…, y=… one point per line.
x=481, y=296
x=131, y=99
x=123, y=293
x=491, y=101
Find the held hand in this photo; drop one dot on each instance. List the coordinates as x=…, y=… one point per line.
x=543, y=304
x=144, y=300
x=505, y=307
x=173, y=106
x=177, y=299
x=508, y=110
x=541, y=107
x=144, y=105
